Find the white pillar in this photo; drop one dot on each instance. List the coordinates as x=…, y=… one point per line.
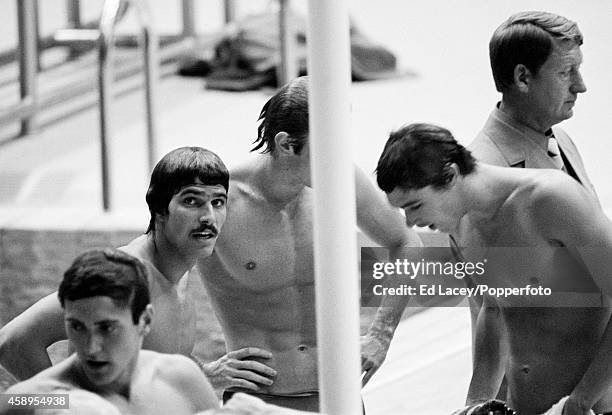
x=336, y=276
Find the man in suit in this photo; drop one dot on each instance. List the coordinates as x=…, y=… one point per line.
x=535, y=59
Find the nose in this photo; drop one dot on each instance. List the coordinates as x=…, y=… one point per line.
x=578, y=85
x=409, y=221
x=94, y=344
x=206, y=213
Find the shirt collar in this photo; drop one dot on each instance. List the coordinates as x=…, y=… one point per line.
x=541, y=140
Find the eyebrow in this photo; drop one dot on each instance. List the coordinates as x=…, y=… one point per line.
x=107, y=321
x=200, y=192
x=410, y=204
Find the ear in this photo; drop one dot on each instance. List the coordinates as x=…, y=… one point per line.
x=284, y=143
x=521, y=77
x=451, y=174
x=160, y=218
x=146, y=317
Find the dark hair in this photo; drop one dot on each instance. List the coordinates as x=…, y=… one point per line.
x=107, y=272
x=527, y=38
x=180, y=168
x=286, y=111
x=418, y=155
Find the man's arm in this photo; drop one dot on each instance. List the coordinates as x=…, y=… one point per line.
x=380, y=221
x=487, y=370
x=24, y=340
x=568, y=214
x=386, y=226
x=185, y=377
x=375, y=343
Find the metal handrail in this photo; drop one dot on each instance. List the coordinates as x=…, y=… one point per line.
x=112, y=12
x=103, y=39
x=28, y=57
x=287, y=68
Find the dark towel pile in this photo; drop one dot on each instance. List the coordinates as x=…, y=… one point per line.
x=248, y=55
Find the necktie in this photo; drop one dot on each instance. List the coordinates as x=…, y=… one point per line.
x=554, y=153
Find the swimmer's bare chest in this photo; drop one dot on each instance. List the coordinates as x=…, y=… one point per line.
x=518, y=254
x=266, y=248
x=173, y=324
x=152, y=397
x=262, y=272
x=261, y=283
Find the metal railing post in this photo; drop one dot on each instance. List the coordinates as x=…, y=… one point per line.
x=111, y=12
x=73, y=12
x=37, y=34
x=229, y=10
x=151, y=64
x=287, y=68
x=28, y=52
x=103, y=38
x=188, y=12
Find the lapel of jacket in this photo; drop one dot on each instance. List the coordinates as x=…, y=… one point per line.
x=517, y=149
x=571, y=154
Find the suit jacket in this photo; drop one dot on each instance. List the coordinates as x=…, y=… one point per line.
x=504, y=142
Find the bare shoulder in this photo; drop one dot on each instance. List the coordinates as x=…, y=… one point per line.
x=243, y=194
x=554, y=192
x=239, y=190
x=38, y=384
x=241, y=173
x=172, y=368
x=85, y=402
x=79, y=401
x=562, y=209
x=182, y=375
x=35, y=385
x=137, y=248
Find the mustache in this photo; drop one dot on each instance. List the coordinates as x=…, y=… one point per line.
x=207, y=227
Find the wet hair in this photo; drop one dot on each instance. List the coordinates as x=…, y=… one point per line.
x=107, y=272
x=180, y=168
x=527, y=38
x=286, y=111
x=419, y=155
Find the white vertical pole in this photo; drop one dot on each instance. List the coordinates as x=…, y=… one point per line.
x=336, y=278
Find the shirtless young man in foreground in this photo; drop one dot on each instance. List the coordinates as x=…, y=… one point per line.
x=107, y=314
x=187, y=199
x=551, y=350
x=261, y=276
